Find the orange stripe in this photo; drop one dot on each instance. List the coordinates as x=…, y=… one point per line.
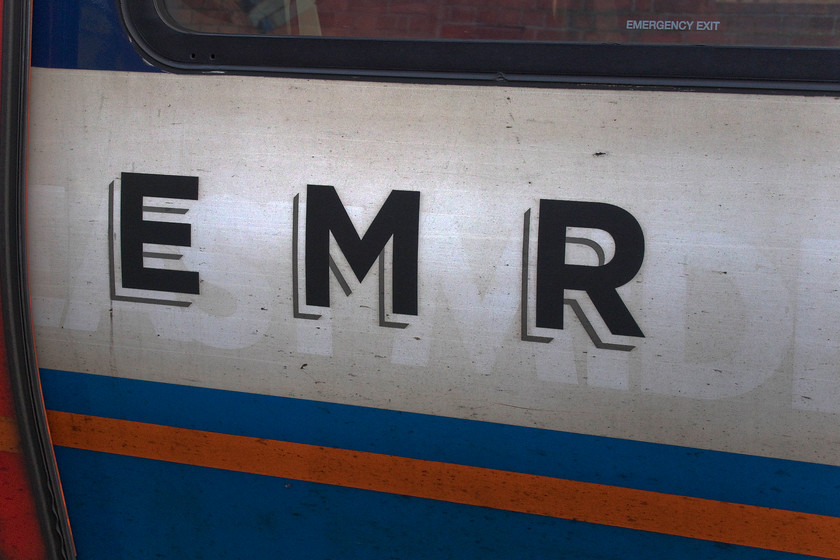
x=684, y=516
x=9, y=435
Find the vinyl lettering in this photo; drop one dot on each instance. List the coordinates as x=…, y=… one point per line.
x=399, y=218
x=135, y=231
x=554, y=276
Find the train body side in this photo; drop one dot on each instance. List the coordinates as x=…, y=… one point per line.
x=244, y=417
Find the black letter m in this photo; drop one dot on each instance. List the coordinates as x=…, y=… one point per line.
x=399, y=218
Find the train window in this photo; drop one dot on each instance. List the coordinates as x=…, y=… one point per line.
x=705, y=22
x=748, y=43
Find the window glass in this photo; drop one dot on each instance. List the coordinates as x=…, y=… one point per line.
x=763, y=23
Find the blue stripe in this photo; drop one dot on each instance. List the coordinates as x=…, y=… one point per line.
x=746, y=479
x=82, y=34
x=129, y=508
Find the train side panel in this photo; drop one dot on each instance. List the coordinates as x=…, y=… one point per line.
x=587, y=323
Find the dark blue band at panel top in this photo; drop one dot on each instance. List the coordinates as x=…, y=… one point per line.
x=82, y=34
x=731, y=477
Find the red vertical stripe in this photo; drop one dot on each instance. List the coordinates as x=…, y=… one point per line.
x=20, y=533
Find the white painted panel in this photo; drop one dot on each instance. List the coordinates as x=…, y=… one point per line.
x=736, y=196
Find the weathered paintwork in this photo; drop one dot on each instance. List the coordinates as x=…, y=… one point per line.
x=174, y=425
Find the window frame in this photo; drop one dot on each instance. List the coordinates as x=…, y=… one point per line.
x=163, y=44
